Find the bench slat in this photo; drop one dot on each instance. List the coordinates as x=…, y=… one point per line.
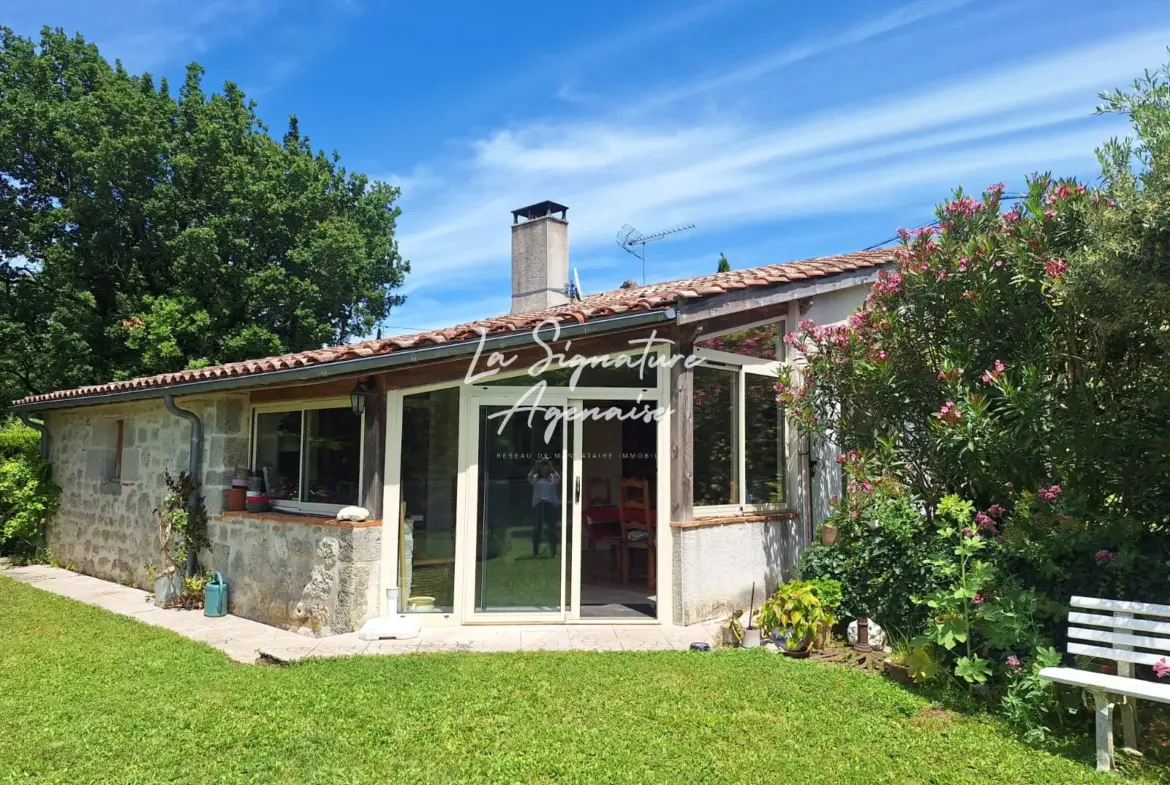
x=1117, y=685
x=1098, y=604
x=1098, y=620
x=1120, y=638
x=1121, y=655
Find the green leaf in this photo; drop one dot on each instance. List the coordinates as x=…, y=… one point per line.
x=974, y=669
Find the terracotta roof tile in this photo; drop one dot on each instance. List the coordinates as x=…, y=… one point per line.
x=657, y=296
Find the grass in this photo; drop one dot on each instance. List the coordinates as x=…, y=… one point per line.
x=87, y=696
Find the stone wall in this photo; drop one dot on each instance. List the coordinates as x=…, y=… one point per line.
x=717, y=563
x=105, y=524
x=314, y=576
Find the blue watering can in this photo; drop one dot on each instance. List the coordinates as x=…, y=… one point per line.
x=215, y=596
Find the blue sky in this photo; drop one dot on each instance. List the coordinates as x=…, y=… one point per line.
x=781, y=130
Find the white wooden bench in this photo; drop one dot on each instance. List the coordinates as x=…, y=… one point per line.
x=1114, y=632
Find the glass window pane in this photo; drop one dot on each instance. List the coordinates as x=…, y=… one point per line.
x=278, y=453
x=762, y=342
x=764, y=440
x=333, y=456
x=521, y=510
x=714, y=433
x=430, y=469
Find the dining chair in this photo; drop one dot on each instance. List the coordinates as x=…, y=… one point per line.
x=637, y=527
x=604, y=497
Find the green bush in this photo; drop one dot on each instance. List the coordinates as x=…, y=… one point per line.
x=881, y=559
x=28, y=497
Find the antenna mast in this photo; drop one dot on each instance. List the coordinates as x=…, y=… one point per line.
x=634, y=242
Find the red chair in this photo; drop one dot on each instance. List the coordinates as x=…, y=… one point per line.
x=635, y=515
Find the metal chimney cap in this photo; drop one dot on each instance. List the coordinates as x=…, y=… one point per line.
x=539, y=210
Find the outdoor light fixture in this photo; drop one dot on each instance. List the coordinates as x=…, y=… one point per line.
x=357, y=398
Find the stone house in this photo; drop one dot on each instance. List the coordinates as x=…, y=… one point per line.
x=509, y=474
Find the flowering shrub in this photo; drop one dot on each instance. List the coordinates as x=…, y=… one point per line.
x=955, y=373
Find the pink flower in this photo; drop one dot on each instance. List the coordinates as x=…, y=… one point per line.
x=994, y=373
x=882, y=355
x=967, y=532
x=995, y=188
x=949, y=413
x=1055, y=268
x=1049, y=213
x=1104, y=558
x=977, y=600
x=1161, y=668
x=1011, y=216
x=996, y=511
x=963, y=264
x=943, y=275
x=966, y=206
x=1049, y=494
x=984, y=522
x=1013, y=662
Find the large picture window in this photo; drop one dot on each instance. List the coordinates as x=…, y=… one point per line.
x=309, y=456
x=428, y=481
x=738, y=424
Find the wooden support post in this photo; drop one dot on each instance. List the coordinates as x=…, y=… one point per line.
x=374, y=452
x=1104, y=731
x=682, y=426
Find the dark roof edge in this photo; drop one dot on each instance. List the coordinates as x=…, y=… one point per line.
x=356, y=365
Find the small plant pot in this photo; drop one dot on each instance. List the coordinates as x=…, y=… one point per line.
x=798, y=654
x=828, y=534
x=423, y=604
x=899, y=673
x=751, y=638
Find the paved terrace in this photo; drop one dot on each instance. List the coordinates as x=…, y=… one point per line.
x=249, y=641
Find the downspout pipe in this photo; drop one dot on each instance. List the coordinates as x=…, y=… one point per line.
x=40, y=426
x=192, y=464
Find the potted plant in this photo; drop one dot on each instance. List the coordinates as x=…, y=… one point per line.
x=911, y=665
x=828, y=534
x=733, y=629
x=795, y=618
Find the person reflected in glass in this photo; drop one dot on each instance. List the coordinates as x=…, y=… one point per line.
x=546, y=504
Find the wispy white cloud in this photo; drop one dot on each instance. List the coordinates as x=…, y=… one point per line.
x=1000, y=123
x=897, y=19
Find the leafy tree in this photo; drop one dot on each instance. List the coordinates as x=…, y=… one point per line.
x=143, y=232
x=724, y=265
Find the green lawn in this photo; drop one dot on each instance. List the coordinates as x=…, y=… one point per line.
x=86, y=696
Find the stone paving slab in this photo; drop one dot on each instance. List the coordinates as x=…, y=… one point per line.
x=244, y=640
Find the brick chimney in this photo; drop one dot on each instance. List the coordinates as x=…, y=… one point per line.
x=540, y=257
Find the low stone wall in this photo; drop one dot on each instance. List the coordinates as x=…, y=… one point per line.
x=717, y=561
x=311, y=575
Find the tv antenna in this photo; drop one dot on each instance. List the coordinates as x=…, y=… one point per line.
x=634, y=242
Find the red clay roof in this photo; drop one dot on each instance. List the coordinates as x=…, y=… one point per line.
x=658, y=296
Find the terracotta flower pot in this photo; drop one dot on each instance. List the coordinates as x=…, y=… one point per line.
x=899, y=673
x=828, y=534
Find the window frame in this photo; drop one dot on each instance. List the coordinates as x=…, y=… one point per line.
x=302, y=406
x=743, y=366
